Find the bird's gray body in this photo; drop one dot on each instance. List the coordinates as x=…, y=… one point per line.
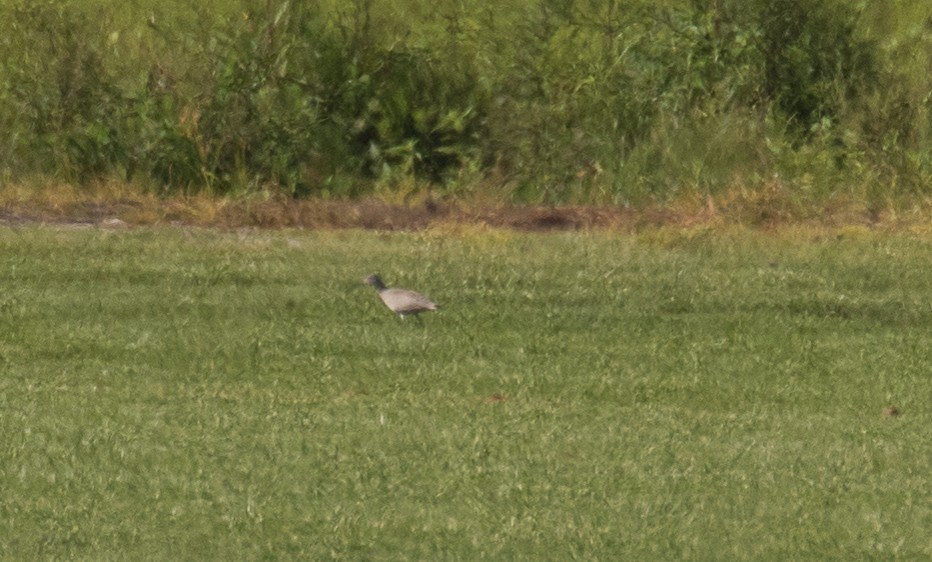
x=401, y=301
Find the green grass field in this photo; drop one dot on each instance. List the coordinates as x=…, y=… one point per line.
x=676, y=394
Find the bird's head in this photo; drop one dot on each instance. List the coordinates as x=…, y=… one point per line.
x=375, y=281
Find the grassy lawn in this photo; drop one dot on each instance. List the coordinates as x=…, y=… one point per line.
x=677, y=394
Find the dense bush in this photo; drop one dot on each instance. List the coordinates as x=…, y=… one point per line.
x=618, y=101
x=60, y=106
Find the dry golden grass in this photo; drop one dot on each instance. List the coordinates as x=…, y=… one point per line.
x=119, y=203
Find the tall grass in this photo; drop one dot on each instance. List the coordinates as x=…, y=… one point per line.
x=621, y=101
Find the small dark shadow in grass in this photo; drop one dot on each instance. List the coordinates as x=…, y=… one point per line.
x=888, y=314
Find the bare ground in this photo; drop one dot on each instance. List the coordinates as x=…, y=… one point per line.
x=373, y=214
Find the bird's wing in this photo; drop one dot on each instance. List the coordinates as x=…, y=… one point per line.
x=403, y=300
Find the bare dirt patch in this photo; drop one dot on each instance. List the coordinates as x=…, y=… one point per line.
x=127, y=209
x=369, y=214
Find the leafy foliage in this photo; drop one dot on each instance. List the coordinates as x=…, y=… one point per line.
x=63, y=103
x=616, y=101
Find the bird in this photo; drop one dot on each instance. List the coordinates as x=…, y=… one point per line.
x=402, y=302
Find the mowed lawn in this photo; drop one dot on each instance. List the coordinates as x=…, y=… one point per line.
x=179, y=394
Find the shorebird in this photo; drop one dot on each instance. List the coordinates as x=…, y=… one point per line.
x=401, y=301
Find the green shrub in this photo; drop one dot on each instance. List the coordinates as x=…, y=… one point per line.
x=814, y=62
x=66, y=103
x=622, y=101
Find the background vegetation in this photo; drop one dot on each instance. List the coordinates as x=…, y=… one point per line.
x=615, y=101
x=202, y=394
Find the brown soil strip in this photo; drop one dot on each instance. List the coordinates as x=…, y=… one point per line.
x=373, y=214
